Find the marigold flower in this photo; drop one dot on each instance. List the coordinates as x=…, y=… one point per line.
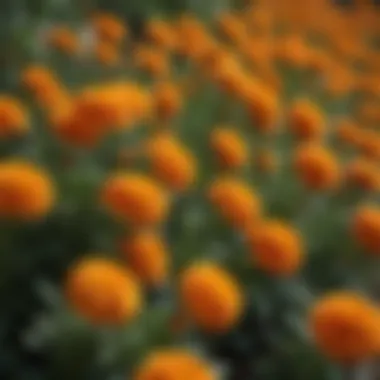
x=45, y=86
x=293, y=51
x=345, y=327
x=363, y=174
x=276, y=248
x=103, y=292
x=348, y=133
x=14, y=118
x=64, y=40
x=229, y=147
x=135, y=198
x=161, y=33
x=109, y=28
x=306, y=121
x=171, y=162
x=167, y=99
x=211, y=296
x=235, y=200
x=231, y=27
x=26, y=191
x=317, y=167
x=152, y=60
x=167, y=364
x=366, y=228
x=107, y=54
x=369, y=144
x=147, y=256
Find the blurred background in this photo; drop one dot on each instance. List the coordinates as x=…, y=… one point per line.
x=40, y=339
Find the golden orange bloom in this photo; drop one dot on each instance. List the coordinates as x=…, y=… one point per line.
x=14, y=118
x=167, y=364
x=103, y=292
x=167, y=100
x=231, y=27
x=366, y=228
x=306, y=121
x=44, y=86
x=363, y=174
x=276, y=248
x=171, y=162
x=135, y=198
x=109, y=28
x=369, y=144
x=152, y=60
x=26, y=191
x=211, y=296
x=317, y=167
x=235, y=201
x=229, y=147
x=293, y=51
x=107, y=54
x=348, y=133
x=161, y=33
x=345, y=326
x=64, y=40
x=147, y=256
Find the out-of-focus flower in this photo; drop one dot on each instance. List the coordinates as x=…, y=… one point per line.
x=135, y=198
x=317, y=167
x=363, y=174
x=292, y=51
x=152, y=60
x=162, y=34
x=167, y=364
x=345, y=327
x=171, y=162
x=107, y=54
x=235, y=200
x=306, y=121
x=26, y=191
x=14, y=118
x=167, y=99
x=64, y=40
x=109, y=27
x=348, y=133
x=366, y=228
x=229, y=147
x=147, y=256
x=231, y=27
x=211, y=296
x=103, y=292
x=276, y=247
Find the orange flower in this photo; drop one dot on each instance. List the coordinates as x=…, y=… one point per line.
x=171, y=162
x=14, y=119
x=109, y=28
x=231, y=27
x=363, y=174
x=44, y=85
x=136, y=198
x=293, y=51
x=147, y=255
x=317, y=167
x=161, y=33
x=26, y=191
x=167, y=99
x=152, y=60
x=366, y=228
x=345, y=327
x=235, y=200
x=211, y=296
x=107, y=54
x=167, y=364
x=306, y=121
x=229, y=147
x=64, y=40
x=103, y=292
x=276, y=248
x=263, y=107
x=369, y=144
x=348, y=133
